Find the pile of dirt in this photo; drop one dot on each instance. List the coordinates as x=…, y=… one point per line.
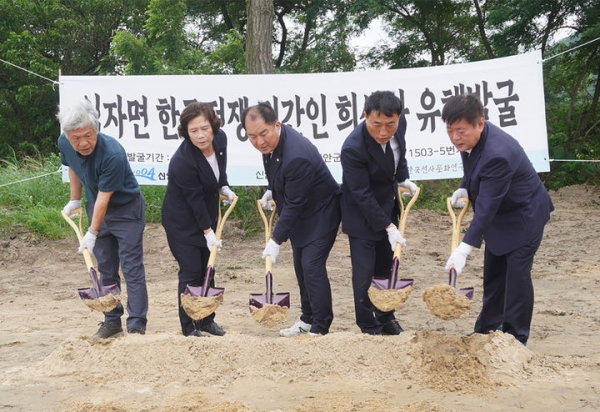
x=435, y=360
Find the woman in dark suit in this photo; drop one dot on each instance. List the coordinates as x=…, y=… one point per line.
x=190, y=208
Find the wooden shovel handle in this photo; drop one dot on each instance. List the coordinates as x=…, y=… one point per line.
x=404, y=210
x=87, y=256
x=404, y=214
x=220, y=225
x=268, y=228
x=456, y=223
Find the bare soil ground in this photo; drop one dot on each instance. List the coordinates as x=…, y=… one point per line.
x=48, y=362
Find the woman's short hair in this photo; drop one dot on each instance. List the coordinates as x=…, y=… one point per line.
x=194, y=110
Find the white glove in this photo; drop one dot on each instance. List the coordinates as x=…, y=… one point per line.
x=264, y=202
x=410, y=186
x=211, y=240
x=456, y=195
x=272, y=249
x=72, y=205
x=458, y=258
x=226, y=191
x=394, y=236
x=88, y=241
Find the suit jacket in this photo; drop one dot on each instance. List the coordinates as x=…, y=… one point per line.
x=510, y=203
x=369, y=188
x=191, y=202
x=306, y=194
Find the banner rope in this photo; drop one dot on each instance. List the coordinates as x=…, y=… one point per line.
x=29, y=71
x=30, y=178
x=571, y=49
x=575, y=160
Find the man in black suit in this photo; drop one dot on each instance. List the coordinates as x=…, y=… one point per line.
x=307, y=199
x=511, y=207
x=373, y=165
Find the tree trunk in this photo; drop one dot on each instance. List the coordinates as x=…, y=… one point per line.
x=259, y=37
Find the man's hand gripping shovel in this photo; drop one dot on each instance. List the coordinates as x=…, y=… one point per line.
x=101, y=298
x=269, y=309
x=444, y=301
x=388, y=294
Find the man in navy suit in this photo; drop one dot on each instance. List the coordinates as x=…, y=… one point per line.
x=307, y=199
x=511, y=207
x=374, y=164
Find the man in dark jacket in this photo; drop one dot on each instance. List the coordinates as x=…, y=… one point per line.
x=511, y=208
x=374, y=165
x=307, y=199
x=115, y=208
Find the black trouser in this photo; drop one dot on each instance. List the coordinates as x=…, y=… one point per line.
x=508, y=291
x=315, y=290
x=192, y=262
x=370, y=259
x=120, y=244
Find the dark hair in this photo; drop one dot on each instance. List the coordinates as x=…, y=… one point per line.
x=463, y=107
x=262, y=110
x=384, y=102
x=194, y=110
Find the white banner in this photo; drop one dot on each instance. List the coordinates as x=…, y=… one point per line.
x=142, y=112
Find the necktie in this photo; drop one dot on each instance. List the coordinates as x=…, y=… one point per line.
x=389, y=154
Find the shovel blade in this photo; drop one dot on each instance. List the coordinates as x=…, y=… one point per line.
x=452, y=275
x=384, y=283
x=205, y=290
x=392, y=282
x=202, y=292
x=97, y=291
x=259, y=300
x=91, y=293
x=468, y=292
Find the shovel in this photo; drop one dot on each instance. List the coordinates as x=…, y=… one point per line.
x=269, y=308
x=456, y=223
x=390, y=293
x=100, y=298
x=200, y=301
x=444, y=301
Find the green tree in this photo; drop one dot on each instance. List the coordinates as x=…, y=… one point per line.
x=572, y=83
x=43, y=38
x=259, y=37
x=173, y=42
x=313, y=36
x=572, y=78
x=422, y=32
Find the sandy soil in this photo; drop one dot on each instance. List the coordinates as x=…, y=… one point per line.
x=48, y=362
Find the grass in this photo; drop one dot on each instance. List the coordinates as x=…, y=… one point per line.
x=32, y=196
x=435, y=192
x=32, y=202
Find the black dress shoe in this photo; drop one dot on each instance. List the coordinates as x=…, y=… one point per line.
x=392, y=328
x=213, y=329
x=196, y=333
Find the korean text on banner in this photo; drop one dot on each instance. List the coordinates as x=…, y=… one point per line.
x=142, y=112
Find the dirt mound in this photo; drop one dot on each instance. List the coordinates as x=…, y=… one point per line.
x=48, y=362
